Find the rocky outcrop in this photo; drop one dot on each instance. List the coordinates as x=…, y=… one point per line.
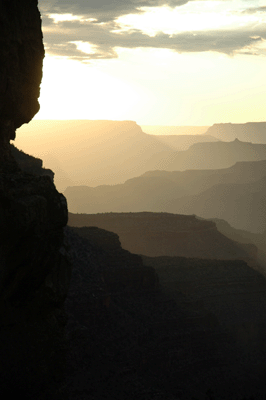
x=35, y=267
x=30, y=164
x=21, y=54
x=35, y=275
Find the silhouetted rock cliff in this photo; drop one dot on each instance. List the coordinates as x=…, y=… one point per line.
x=21, y=54
x=35, y=269
x=30, y=164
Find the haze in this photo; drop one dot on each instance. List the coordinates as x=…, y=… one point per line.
x=175, y=63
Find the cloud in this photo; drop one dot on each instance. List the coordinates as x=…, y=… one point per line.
x=254, y=10
x=104, y=10
x=60, y=41
x=105, y=36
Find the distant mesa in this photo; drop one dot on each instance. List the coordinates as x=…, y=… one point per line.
x=250, y=131
x=162, y=130
x=94, y=153
x=183, y=142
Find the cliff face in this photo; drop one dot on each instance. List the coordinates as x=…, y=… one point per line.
x=34, y=267
x=21, y=54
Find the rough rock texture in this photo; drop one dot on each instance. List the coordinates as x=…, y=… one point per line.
x=34, y=265
x=21, y=55
x=30, y=164
x=34, y=280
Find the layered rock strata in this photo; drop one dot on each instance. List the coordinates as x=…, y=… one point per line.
x=165, y=234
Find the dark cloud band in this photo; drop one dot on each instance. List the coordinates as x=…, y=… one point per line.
x=104, y=10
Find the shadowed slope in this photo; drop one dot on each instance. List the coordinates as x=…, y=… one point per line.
x=213, y=155
x=242, y=205
x=162, y=234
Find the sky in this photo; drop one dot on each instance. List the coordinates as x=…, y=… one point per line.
x=156, y=62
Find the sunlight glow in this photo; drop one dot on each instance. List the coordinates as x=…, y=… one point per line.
x=85, y=47
x=221, y=90
x=188, y=18
x=69, y=17
x=64, y=17
x=160, y=86
x=72, y=90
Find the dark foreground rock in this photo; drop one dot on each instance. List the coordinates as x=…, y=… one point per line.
x=30, y=164
x=200, y=334
x=35, y=275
